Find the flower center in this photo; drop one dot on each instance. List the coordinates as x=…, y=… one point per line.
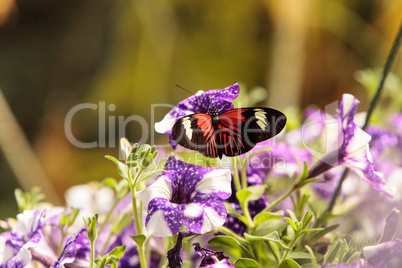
x=180, y=197
x=181, y=194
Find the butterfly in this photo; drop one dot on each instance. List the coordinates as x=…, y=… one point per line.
x=231, y=133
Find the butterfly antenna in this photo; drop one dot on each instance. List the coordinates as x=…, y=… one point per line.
x=183, y=89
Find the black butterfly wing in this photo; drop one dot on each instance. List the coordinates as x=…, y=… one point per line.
x=234, y=132
x=241, y=129
x=196, y=132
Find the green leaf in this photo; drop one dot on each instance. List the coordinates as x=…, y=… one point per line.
x=28, y=200
x=267, y=216
x=139, y=239
x=117, y=252
x=319, y=234
x=299, y=255
x=355, y=257
x=250, y=193
x=256, y=192
x=292, y=215
x=304, y=173
x=227, y=241
x=149, y=174
x=63, y=220
x=121, y=168
x=91, y=227
x=100, y=262
x=72, y=217
x=313, y=259
x=289, y=263
x=243, y=195
x=308, y=217
x=109, y=182
x=238, y=249
x=230, y=210
x=246, y=263
x=311, y=230
x=269, y=227
x=275, y=250
x=283, y=244
x=313, y=180
x=292, y=223
x=187, y=264
x=333, y=252
x=274, y=236
x=353, y=243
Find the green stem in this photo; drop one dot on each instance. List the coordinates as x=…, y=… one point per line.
x=229, y=232
x=141, y=253
x=236, y=175
x=387, y=68
x=277, y=201
x=135, y=210
x=246, y=213
x=187, y=249
x=288, y=250
x=133, y=183
x=137, y=177
x=137, y=219
x=337, y=191
x=92, y=254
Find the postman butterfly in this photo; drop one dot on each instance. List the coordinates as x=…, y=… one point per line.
x=231, y=133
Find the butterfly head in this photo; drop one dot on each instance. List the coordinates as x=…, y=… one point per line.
x=213, y=111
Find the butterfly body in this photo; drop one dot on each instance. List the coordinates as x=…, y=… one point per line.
x=231, y=133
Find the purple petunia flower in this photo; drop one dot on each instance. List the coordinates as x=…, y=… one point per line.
x=15, y=245
x=186, y=194
x=350, y=148
x=36, y=237
x=198, y=103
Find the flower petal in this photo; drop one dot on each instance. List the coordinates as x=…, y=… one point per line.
x=162, y=223
x=161, y=188
x=216, y=182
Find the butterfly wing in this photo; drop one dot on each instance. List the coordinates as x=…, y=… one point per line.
x=236, y=132
x=241, y=129
x=196, y=132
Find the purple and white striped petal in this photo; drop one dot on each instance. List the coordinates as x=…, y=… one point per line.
x=186, y=194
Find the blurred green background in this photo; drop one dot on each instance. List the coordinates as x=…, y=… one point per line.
x=56, y=54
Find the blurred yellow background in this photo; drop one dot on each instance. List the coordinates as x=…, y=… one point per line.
x=128, y=55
